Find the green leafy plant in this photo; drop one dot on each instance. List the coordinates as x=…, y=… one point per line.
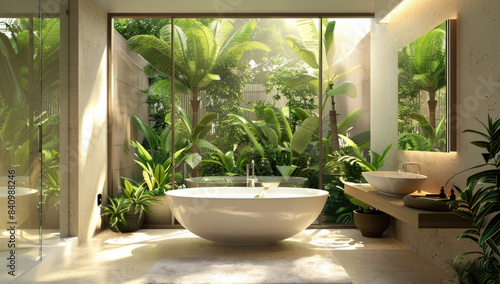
x=351, y=165
x=425, y=65
x=479, y=203
x=50, y=175
x=492, y=136
x=138, y=198
x=115, y=212
x=157, y=176
x=435, y=137
x=309, y=33
x=199, y=48
x=301, y=96
x=376, y=160
x=157, y=161
x=135, y=200
x=414, y=142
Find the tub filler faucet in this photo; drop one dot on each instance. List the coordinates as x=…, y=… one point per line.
x=251, y=180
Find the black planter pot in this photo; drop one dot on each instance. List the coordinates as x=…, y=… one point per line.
x=134, y=222
x=373, y=224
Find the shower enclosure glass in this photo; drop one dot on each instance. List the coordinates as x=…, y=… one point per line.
x=33, y=147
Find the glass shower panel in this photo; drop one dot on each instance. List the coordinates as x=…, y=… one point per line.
x=33, y=88
x=53, y=91
x=20, y=165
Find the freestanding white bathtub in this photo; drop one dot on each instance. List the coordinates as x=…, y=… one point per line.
x=232, y=215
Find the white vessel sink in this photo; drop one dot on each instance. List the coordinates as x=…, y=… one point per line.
x=395, y=183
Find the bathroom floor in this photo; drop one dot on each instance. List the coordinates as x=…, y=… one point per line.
x=126, y=258
x=27, y=255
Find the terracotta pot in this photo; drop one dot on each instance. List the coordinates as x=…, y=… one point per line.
x=134, y=222
x=373, y=224
x=162, y=215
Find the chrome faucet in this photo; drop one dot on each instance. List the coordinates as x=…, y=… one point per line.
x=403, y=168
x=251, y=181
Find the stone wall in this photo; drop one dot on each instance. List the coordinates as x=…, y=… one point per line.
x=478, y=95
x=128, y=81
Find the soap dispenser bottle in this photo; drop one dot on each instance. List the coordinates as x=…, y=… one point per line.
x=452, y=195
x=442, y=194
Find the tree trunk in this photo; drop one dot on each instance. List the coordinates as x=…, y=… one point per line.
x=334, y=130
x=195, y=105
x=432, y=108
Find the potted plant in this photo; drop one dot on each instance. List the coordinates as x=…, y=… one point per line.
x=158, y=178
x=115, y=213
x=371, y=222
x=126, y=212
x=157, y=160
x=480, y=203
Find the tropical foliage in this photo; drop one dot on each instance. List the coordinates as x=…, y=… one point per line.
x=422, y=72
x=307, y=47
x=213, y=60
x=198, y=49
x=19, y=118
x=423, y=62
x=301, y=96
x=157, y=159
x=135, y=199
x=349, y=163
x=115, y=212
x=479, y=203
x=429, y=139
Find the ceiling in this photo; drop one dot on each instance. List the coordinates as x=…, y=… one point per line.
x=238, y=6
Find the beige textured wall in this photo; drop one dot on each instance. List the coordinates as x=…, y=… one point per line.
x=478, y=95
x=92, y=117
x=361, y=78
x=128, y=79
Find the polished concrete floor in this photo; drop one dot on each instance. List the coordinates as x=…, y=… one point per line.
x=125, y=258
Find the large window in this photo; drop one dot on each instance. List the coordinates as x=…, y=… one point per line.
x=260, y=96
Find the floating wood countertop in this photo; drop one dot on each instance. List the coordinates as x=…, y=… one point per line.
x=394, y=206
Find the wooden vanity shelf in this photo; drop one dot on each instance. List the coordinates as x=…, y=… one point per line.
x=394, y=206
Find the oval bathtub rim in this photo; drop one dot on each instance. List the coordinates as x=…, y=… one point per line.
x=172, y=193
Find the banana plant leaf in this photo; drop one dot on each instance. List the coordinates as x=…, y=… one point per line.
x=272, y=122
x=349, y=120
x=302, y=114
x=301, y=49
x=347, y=88
x=304, y=134
x=271, y=135
x=284, y=124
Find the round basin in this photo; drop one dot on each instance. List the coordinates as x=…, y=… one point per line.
x=395, y=183
x=239, y=181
